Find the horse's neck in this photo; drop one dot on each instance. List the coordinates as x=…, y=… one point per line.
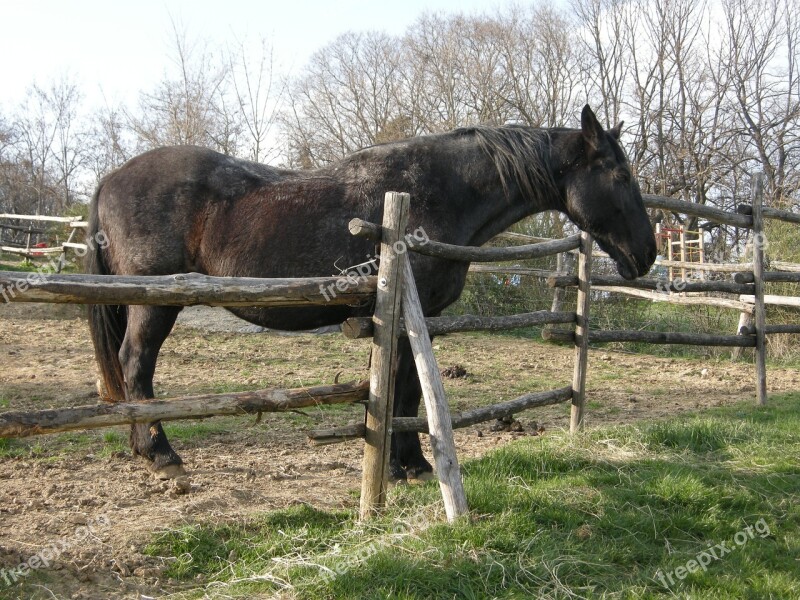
x=496, y=207
x=503, y=215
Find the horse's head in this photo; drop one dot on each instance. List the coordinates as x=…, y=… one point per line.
x=602, y=197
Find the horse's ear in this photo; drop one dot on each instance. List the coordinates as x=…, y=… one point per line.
x=590, y=127
x=616, y=131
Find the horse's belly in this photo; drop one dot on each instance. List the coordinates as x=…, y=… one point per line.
x=294, y=319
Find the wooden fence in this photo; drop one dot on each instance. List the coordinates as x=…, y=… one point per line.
x=28, y=249
x=397, y=313
x=746, y=287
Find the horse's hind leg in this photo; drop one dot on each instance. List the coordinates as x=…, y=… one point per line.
x=148, y=327
x=407, y=460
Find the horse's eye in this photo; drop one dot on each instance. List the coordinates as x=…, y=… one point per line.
x=622, y=176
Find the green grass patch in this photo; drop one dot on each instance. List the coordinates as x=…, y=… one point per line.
x=66, y=446
x=616, y=513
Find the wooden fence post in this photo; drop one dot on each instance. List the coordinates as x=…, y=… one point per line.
x=386, y=320
x=581, y=333
x=745, y=322
x=558, y=293
x=760, y=314
x=440, y=426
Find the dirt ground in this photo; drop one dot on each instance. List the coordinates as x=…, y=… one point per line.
x=83, y=494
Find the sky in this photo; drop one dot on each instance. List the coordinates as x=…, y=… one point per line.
x=116, y=48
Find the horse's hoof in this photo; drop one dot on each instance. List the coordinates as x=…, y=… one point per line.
x=396, y=473
x=168, y=471
x=418, y=478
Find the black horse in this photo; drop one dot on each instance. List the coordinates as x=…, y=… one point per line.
x=187, y=209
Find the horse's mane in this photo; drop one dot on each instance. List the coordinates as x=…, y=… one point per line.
x=520, y=155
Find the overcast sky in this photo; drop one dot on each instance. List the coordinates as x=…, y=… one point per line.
x=117, y=48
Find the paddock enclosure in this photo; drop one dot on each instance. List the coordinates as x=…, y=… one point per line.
x=397, y=313
x=20, y=235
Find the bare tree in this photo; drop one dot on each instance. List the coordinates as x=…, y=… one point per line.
x=760, y=59
x=541, y=68
x=345, y=99
x=49, y=146
x=187, y=105
x=604, y=46
x=109, y=141
x=258, y=95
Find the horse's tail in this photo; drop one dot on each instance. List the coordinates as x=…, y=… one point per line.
x=107, y=323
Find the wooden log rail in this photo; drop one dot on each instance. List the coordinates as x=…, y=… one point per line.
x=32, y=251
x=770, y=213
x=741, y=218
x=770, y=329
x=185, y=289
x=459, y=419
x=362, y=327
x=768, y=277
x=678, y=299
x=729, y=287
x=697, y=210
x=772, y=299
x=705, y=266
x=44, y=218
x=480, y=254
x=27, y=423
x=527, y=271
x=653, y=337
x=22, y=228
x=361, y=228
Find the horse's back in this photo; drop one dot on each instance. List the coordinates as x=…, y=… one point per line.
x=153, y=208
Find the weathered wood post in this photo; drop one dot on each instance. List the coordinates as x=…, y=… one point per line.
x=28, y=242
x=760, y=314
x=62, y=260
x=558, y=294
x=440, y=426
x=745, y=323
x=386, y=319
x=682, y=239
x=581, y=333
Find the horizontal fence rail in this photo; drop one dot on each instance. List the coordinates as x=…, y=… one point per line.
x=697, y=210
x=663, y=285
x=362, y=327
x=768, y=276
x=652, y=337
x=770, y=213
x=361, y=228
x=482, y=254
x=678, y=299
x=44, y=218
x=185, y=289
x=27, y=423
x=500, y=269
x=743, y=217
x=459, y=419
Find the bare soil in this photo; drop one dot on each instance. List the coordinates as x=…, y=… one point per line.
x=84, y=490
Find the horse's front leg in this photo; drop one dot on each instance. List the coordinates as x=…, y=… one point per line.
x=406, y=460
x=148, y=327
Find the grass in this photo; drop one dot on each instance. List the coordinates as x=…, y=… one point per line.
x=12, y=262
x=614, y=513
x=66, y=445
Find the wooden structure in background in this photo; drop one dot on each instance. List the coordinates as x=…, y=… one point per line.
x=29, y=250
